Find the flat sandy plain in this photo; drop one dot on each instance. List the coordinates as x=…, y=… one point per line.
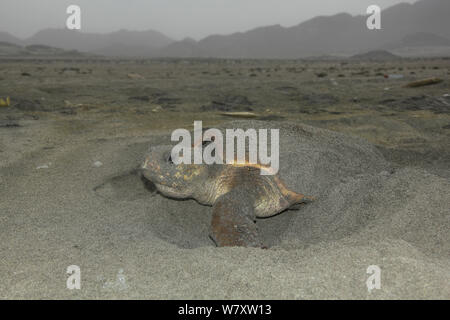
x=374, y=153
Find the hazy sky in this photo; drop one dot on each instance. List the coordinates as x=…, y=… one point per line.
x=175, y=18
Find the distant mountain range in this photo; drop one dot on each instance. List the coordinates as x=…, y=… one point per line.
x=119, y=43
x=424, y=24
x=8, y=49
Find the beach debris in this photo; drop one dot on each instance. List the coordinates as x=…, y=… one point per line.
x=98, y=164
x=135, y=76
x=243, y=114
x=5, y=102
x=394, y=76
x=44, y=166
x=157, y=109
x=423, y=82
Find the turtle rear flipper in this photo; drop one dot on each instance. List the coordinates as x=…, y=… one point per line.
x=233, y=221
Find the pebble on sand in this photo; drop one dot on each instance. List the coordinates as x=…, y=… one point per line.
x=98, y=164
x=135, y=76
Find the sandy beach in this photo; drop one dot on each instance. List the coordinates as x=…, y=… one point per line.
x=71, y=194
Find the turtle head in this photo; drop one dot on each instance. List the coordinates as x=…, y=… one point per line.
x=172, y=180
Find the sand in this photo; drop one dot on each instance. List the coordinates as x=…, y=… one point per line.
x=132, y=243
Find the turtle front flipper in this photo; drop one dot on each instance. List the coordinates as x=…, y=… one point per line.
x=233, y=221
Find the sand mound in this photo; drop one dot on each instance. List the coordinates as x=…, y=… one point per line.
x=108, y=221
x=312, y=161
x=357, y=191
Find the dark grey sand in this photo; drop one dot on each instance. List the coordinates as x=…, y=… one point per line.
x=131, y=242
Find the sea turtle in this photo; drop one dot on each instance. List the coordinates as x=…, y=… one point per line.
x=238, y=194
